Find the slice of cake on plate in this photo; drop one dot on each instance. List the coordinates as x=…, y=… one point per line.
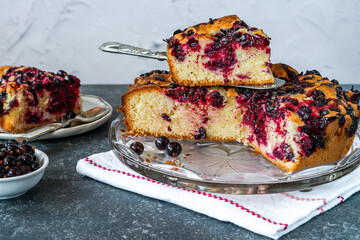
x=224, y=51
x=307, y=122
x=31, y=97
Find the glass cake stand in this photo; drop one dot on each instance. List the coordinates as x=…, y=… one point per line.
x=222, y=167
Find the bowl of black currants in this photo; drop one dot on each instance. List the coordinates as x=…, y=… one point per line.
x=21, y=168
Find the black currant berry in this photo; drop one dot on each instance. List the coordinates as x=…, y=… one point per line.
x=13, y=171
x=138, y=147
x=12, y=142
x=26, y=158
x=35, y=166
x=24, y=169
x=25, y=148
x=70, y=114
x=173, y=149
x=161, y=142
x=9, y=161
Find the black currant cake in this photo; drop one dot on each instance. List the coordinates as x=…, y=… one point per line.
x=224, y=51
x=307, y=122
x=31, y=97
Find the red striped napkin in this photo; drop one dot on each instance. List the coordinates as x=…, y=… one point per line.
x=272, y=215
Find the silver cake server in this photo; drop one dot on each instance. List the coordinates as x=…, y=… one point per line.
x=120, y=48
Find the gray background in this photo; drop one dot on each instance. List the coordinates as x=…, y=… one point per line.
x=52, y=35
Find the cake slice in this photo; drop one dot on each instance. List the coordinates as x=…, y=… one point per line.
x=307, y=122
x=224, y=51
x=31, y=97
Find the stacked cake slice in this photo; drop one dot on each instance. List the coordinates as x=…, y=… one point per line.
x=293, y=126
x=225, y=51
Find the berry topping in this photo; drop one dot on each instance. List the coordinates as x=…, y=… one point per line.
x=193, y=43
x=173, y=85
x=190, y=32
x=159, y=78
x=145, y=74
x=176, y=49
x=185, y=94
x=304, y=112
x=284, y=152
x=166, y=117
x=314, y=72
x=201, y=135
x=70, y=114
x=216, y=99
x=221, y=51
x=293, y=101
x=196, y=95
x=177, y=31
x=67, y=78
x=314, y=111
x=241, y=23
x=324, y=112
x=173, y=149
x=137, y=147
x=341, y=119
x=61, y=73
x=161, y=142
x=353, y=127
x=355, y=97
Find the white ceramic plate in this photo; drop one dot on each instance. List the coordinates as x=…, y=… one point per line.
x=89, y=101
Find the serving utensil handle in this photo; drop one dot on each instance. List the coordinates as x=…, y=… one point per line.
x=41, y=131
x=116, y=47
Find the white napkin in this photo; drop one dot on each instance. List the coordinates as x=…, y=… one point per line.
x=272, y=215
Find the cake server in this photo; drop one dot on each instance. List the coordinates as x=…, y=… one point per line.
x=90, y=115
x=120, y=48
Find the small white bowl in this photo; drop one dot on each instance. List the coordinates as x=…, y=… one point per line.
x=16, y=186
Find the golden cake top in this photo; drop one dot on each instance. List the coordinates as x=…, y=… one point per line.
x=213, y=27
